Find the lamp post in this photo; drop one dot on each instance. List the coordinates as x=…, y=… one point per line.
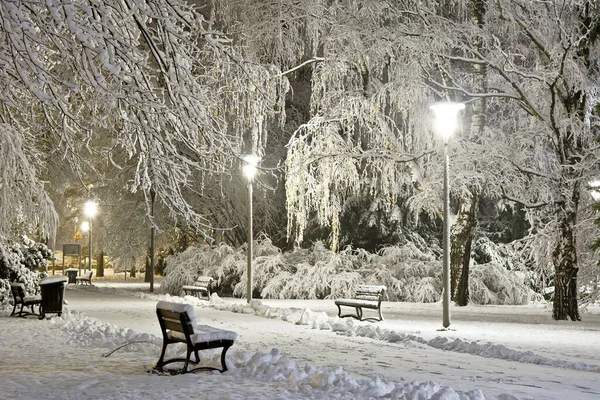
x=85, y=227
x=90, y=209
x=446, y=122
x=251, y=162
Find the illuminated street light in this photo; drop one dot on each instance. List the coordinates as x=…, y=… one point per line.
x=446, y=122
x=251, y=162
x=90, y=210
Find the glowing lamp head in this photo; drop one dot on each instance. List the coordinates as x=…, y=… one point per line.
x=85, y=226
x=250, y=166
x=90, y=209
x=446, y=117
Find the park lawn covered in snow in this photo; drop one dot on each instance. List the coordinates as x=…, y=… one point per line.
x=293, y=349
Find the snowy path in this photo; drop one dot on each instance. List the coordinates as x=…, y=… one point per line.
x=406, y=359
x=531, y=356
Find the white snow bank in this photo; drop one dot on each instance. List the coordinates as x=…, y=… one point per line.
x=264, y=369
x=352, y=327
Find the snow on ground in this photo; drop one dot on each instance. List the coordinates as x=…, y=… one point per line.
x=294, y=349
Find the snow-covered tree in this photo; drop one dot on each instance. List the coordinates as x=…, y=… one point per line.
x=530, y=86
x=369, y=114
x=547, y=78
x=152, y=78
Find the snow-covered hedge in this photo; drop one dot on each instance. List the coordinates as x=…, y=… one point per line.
x=409, y=273
x=21, y=262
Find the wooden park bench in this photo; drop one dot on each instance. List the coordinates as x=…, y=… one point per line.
x=87, y=278
x=178, y=325
x=201, y=286
x=19, y=297
x=366, y=296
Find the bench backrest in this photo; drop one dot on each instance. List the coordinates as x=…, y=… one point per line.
x=89, y=274
x=203, y=281
x=18, y=291
x=176, y=317
x=370, y=292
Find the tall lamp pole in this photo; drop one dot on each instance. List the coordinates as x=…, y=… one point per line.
x=445, y=123
x=90, y=210
x=85, y=227
x=251, y=162
x=152, y=234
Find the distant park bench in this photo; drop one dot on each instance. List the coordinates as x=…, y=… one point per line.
x=178, y=325
x=87, y=278
x=201, y=286
x=19, y=297
x=366, y=296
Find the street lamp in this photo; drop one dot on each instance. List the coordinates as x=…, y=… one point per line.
x=446, y=122
x=90, y=210
x=251, y=162
x=85, y=227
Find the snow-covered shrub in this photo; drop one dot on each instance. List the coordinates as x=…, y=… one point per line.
x=183, y=268
x=425, y=290
x=409, y=273
x=493, y=284
x=20, y=262
x=415, y=274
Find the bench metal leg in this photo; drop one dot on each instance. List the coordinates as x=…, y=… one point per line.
x=356, y=315
x=223, y=362
x=375, y=319
x=23, y=311
x=359, y=315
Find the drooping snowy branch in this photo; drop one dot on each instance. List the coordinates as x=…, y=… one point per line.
x=150, y=78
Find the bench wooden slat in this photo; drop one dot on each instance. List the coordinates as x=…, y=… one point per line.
x=202, y=285
x=365, y=296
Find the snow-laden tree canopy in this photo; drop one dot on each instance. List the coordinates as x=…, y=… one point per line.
x=145, y=80
x=529, y=135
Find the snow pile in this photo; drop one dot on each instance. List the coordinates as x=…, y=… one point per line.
x=352, y=327
x=499, y=351
x=320, y=383
x=82, y=331
x=272, y=368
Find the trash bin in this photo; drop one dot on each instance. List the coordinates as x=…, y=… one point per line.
x=53, y=293
x=72, y=274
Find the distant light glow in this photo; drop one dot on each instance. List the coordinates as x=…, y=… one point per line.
x=446, y=117
x=595, y=190
x=85, y=226
x=90, y=209
x=249, y=168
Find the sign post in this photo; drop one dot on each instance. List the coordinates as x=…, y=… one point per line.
x=72, y=249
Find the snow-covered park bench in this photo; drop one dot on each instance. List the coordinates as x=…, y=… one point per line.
x=366, y=296
x=201, y=286
x=87, y=278
x=178, y=325
x=20, y=297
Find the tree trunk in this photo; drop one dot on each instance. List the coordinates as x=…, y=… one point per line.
x=463, y=229
x=148, y=275
x=565, y=265
x=460, y=249
x=100, y=265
